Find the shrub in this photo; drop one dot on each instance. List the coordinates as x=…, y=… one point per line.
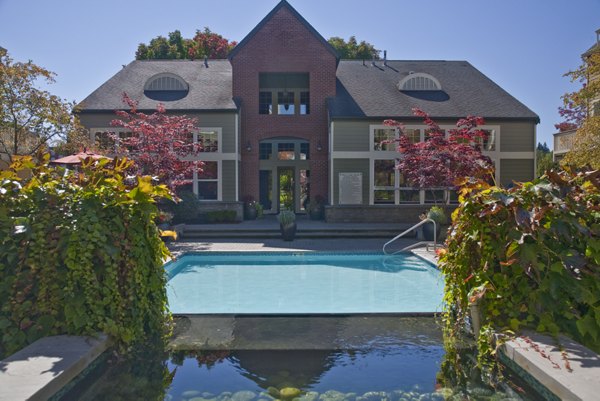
x=79, y=254
x=221, y=216
x=187, y=209
x=529, y=256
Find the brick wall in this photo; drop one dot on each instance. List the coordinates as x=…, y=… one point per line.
x=283, y=44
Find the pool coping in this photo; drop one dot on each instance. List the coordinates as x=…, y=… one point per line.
x=540, y=357
x=43, y=368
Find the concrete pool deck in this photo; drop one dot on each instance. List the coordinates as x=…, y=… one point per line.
x=278, y=245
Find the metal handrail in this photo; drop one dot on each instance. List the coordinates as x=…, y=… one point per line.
x=411, y=229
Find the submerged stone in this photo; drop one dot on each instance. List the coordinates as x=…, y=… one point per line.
x=273, y=392
x=310, y=396
x=332, y=395
x=288, y=393
x=375, y=396
x=243, y=396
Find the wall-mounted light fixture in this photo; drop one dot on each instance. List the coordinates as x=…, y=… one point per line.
x=249, y=147
x=319, y=146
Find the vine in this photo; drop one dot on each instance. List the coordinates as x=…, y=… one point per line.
x=80, y=254
x=528, y=257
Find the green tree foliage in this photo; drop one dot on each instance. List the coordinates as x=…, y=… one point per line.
x=31, y=118
x=204, y=44
x=585, y=105
x=544, y=159
x=529, y=257
x=352, y=49
x=80, y=254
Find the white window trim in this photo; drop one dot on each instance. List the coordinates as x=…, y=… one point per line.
x=407, y=78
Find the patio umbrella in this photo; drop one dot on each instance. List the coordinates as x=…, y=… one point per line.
x=78, y=157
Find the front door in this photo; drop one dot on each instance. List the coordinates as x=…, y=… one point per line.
x=284, y=174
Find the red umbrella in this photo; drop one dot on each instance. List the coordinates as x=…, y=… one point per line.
x=78, y=157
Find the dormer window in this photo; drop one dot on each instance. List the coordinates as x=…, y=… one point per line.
x=166, y=87
x=419, y=82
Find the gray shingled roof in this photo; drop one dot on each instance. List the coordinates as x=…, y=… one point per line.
x=371, y=91
x=209, y=88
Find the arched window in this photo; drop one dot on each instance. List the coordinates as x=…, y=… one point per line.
x=419, y=82
x=166, y=87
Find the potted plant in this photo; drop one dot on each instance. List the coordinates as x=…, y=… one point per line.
x=250, y=211
x=438, y=215
x=287, y=224
x=163, y=219
x=316, y=208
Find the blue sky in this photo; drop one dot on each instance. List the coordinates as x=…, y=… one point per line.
x=525, y=46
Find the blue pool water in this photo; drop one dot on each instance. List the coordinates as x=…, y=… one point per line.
x=303, y=283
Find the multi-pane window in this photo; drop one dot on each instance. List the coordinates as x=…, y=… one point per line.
x=384, y=180
x=285, y=151
x=265, y=151
x=413, y=135
x=284, y=93
x=304, y=102
x=265, y=103
x=209, y=141
x=285, y=101
x=105, y=140
x=389, y=184
x=384, y=139
x=208, y=181
x=304, y=151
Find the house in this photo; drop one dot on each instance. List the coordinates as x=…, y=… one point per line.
x=284, y=120
x=564, y=140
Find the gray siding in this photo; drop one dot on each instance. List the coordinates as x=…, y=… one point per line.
x=351, y=166
x=228, y=180
x=516, y=136
x=516, y=170
x=226, y=121
x=352, y=136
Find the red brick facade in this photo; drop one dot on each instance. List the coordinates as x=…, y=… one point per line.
x=283, y=44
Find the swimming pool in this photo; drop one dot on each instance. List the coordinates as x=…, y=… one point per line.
x=303, y=283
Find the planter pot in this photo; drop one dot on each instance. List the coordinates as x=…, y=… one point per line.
x=428, y=231
x=250, y=212
x=288, y=233
x=316, y=214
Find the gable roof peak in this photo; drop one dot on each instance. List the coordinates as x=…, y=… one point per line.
x=269, y=16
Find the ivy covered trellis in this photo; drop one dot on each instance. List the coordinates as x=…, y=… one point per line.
x=80, y=254
x=528, y=256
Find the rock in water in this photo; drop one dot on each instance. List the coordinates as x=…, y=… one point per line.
x=243, y=396
x=287, y=393
x=190, y=394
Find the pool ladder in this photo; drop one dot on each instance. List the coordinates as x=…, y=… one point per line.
x=402, y=234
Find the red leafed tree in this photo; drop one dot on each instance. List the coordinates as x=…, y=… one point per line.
x=158, y=143
x=442, y=160
x=209, y=44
